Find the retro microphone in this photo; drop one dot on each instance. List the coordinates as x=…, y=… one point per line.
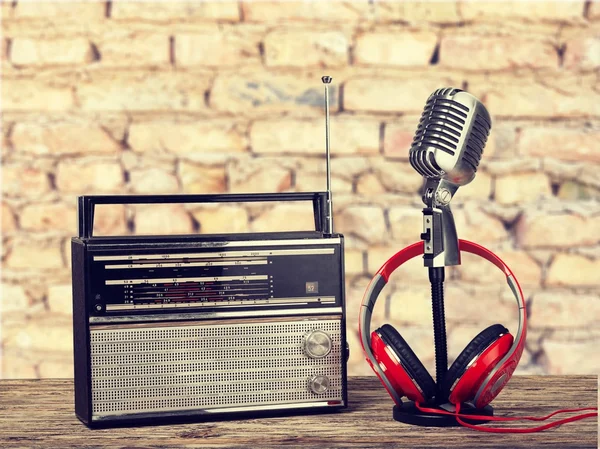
x=446, y=150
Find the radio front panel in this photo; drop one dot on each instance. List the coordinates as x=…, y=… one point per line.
x=240, y=275
x=210, y=367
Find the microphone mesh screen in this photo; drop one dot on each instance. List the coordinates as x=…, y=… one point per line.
x=441, y=127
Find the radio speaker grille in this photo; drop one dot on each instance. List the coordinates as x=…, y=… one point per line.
x=199, y=367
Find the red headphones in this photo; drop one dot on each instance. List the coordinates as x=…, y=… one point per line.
x=480, y=371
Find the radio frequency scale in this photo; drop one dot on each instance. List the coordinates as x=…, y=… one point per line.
x=219, y=275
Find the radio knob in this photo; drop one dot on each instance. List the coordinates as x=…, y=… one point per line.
x=318, y=384
x=317, y=344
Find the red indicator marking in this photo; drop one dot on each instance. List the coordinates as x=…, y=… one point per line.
x=179, y=290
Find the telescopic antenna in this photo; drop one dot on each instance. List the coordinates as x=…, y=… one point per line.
x=327, y=80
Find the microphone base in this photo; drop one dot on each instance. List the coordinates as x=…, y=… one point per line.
x=408, y=413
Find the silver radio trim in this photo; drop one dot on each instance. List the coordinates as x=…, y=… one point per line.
x=252, y=408
x=206, y=315
x=254, y=303
x=227, y=253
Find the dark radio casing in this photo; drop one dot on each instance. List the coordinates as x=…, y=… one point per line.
x=196, y=327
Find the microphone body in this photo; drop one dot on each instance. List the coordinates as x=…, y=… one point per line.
x=446, y=150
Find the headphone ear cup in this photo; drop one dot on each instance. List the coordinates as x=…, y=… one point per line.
x=407, y=371
x=475, y=362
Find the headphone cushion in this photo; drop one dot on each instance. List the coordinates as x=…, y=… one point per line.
x=485, y=338
x=410, y=361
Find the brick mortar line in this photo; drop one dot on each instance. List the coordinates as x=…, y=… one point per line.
x=187, y=117
x=43, y=73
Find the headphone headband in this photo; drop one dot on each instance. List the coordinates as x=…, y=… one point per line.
x=508, y=362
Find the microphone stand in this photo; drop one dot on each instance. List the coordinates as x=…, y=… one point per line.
x=436, y=278
x=440, y=250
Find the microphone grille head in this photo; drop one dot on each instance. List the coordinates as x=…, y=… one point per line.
x=450, y=137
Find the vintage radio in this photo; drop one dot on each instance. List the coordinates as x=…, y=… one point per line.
x=188, y=326
x=184, y=327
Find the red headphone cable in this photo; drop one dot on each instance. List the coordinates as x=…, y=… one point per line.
x=459, y=415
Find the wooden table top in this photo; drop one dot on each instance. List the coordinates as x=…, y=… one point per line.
x=39, y=413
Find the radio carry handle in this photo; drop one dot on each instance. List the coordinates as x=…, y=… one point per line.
x=86, y=204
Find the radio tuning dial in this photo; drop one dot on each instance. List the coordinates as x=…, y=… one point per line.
x=318, y=384
x=317, y=344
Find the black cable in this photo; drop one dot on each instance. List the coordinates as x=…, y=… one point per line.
x=436, y=277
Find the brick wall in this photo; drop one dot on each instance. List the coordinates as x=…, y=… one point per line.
x=116, y=97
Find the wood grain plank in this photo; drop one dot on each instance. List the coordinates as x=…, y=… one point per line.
x=39, y=413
